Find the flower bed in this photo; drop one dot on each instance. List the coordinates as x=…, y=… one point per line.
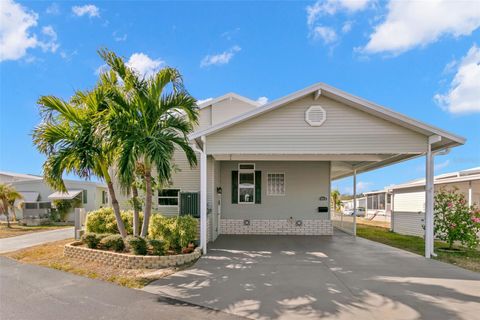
x=128, y=261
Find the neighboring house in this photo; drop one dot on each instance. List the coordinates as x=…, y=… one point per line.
x=9, y=177
x=268, y=169
x=38, y=196
x=377, y=204
x=408, y=216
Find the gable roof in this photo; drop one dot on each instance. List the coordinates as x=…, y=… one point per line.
x=229, y=95
x=348, y=99
x=21, y=176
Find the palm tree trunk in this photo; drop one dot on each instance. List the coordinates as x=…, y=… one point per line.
x=148, y=202
x=5, y=210
x=116, y=207
x=136, y=219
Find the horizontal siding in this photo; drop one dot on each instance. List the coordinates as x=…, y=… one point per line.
x=229, y=108
x=409, y=223
x=409, y=200
x=204, y=118
x=346, y=130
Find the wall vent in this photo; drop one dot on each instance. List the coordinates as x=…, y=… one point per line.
x=315, y=116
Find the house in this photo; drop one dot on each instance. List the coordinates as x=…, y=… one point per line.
x=268, y=169
x=408, y=214
x=38, y=196
x=377, y=204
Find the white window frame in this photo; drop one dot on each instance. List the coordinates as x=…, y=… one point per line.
x=238, y=183
x=168, y=197
x=284, y=185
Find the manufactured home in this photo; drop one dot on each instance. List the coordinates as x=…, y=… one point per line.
x=408, y=215
x=268, y=169
x=38, y=197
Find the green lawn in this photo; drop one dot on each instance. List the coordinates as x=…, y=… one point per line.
x=468, y=259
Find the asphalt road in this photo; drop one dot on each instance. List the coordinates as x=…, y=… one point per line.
x=37, y=293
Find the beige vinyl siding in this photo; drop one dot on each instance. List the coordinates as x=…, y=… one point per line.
x=410, y=200
x=409, y=223
x=229, y=108
x=346, y=130
x=305, y=183
x=204, y=118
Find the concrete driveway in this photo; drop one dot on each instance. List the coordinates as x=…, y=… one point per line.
x=34, y=239
x=339, y=277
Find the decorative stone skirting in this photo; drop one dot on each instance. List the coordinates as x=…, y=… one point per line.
x=128, y=261
x=279, y=227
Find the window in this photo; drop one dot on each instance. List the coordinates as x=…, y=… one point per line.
x=168, y=197
x=276, y=184
x=84, y=196
x=246, y=183
x=104, y=197
x=31, y=205
x=45, y=205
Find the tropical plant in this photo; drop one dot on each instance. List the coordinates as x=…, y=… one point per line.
x=103, y=221
x=149, y=119
x=70, y=136
x=175, y=232
x=455, y=220
x=336, y=200
x=8, y=196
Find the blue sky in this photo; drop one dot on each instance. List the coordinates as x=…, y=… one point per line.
x=403, y=55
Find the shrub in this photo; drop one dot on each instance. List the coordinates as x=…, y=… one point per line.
x=137, y=244
x=176, y=232
x=91, y=240
x=113, y=242
x=157, y=247
x=455, y=220
x=103, y=221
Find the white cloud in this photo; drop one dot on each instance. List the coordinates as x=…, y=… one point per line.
x=330, y=7
x=464, y=93
x=53, y=9
x=221, y=58
x=16, y=36
x=411, y=24
x=347, y=26
x=88, y=9
x=442, y=165
x=326, y=34
x=119, y=38
x=201, y=101
x=140, y=62
x=51, y=44
x=143, y=64
x=262, y=100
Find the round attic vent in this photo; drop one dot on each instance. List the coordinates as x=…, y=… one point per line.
x=315, y=116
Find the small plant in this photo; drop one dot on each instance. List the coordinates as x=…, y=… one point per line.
x=455, y=220
x=103, y=221
x=157, y=247
x=91, y=240
x=137, y=244
x=63, y=207
x=113, y=242
x=176, y=232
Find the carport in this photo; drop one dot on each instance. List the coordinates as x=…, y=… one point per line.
x=343, y=134
x=314, y=277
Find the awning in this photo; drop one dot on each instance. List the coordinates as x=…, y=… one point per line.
x=69, y=195
x=29, y=196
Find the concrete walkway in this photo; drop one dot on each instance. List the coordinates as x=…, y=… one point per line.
x=339, y=277
x=30, y=292
x=33, y=239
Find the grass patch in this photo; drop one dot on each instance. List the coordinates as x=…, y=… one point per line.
x=466, y=258
x=18, y=230
x=51, y=255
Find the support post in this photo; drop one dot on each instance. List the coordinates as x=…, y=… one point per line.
x=355, y=203
x=429, y=186
x=470, y=195
x=203, y=197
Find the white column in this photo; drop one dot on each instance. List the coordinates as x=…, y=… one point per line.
x=354, y=202
x=203, y=197
x=470, y=195
x=429, y=174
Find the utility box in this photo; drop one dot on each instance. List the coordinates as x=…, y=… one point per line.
x=190, y=204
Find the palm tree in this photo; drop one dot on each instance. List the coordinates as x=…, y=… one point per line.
x=71, y=137
x=8, y=196
x=336, y=201
x=150, y=118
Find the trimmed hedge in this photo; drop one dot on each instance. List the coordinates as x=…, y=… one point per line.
x=103, y=221
x=157, y=247
x=113, y=242
x=175, y=232
x=137, y=244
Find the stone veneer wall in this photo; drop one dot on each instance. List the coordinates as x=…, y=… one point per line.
x=128, y=261
x=276, y=227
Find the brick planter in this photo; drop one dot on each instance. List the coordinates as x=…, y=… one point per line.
x=128, y=261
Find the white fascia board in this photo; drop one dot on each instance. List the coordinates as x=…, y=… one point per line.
x=228, y=96
x=349, y=99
